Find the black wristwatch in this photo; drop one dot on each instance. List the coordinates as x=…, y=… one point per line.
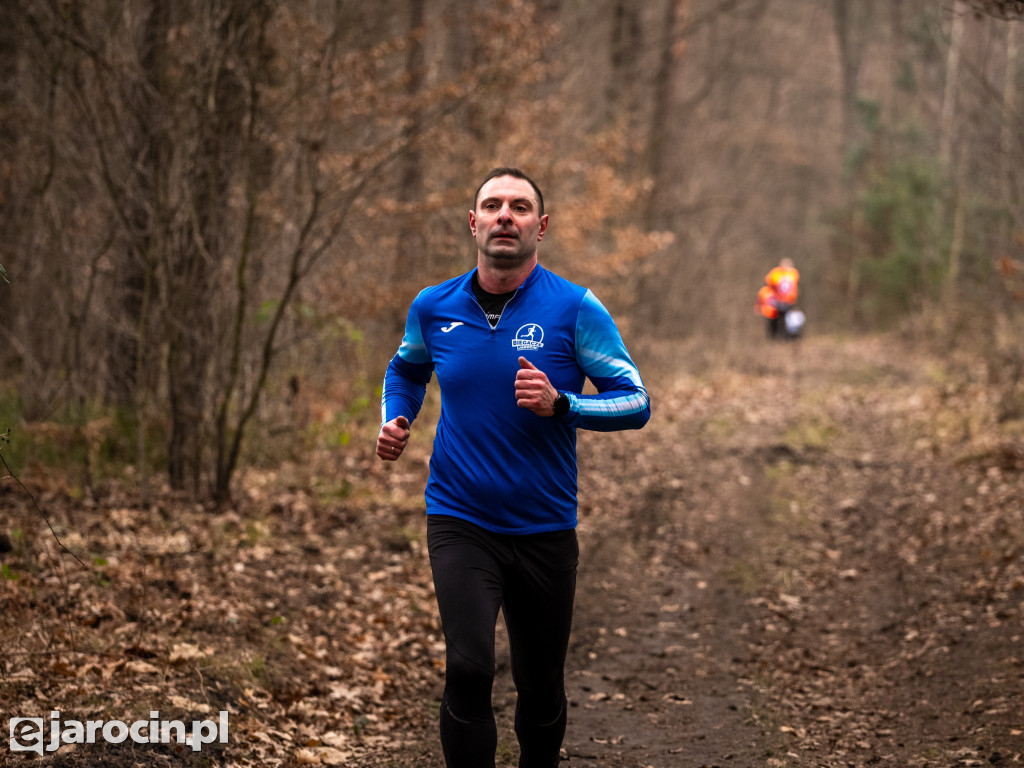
x=561, y=405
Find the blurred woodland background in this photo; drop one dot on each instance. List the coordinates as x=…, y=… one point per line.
x=215, y=212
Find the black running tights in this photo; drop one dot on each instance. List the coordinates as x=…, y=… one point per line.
x=532, y=580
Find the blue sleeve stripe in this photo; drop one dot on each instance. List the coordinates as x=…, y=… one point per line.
x=405, y=382
x=413, y=348
x=617, y=406
x=599, y=344
x=622, y=401
x=609, y=366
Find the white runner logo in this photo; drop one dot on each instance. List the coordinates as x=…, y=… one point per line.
x=529, y=337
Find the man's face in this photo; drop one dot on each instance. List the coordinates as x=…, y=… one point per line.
x=507, y=224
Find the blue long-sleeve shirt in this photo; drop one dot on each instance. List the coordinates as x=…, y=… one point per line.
x=493, y=463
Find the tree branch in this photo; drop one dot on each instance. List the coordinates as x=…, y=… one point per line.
x=5, y=438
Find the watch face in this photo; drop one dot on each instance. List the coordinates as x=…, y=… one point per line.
x=561, y=405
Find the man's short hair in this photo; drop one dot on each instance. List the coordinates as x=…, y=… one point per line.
x=516, y=173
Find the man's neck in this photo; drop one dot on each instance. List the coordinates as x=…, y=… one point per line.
x=495, y=278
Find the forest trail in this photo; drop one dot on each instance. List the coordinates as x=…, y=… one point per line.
x=814, y=562
x=814, y=558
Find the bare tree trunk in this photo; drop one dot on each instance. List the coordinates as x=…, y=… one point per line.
x=850, y=36
x=195, y=250
x=411, y=243
x=951, y=166
x=626, y=42
x=145, y=141
x=131, y=348
x=956, y=248
x=947, y=121
x=1011, y=118
x=11, y=215
x=661, y=114
x=850, y=51
x=897, y=47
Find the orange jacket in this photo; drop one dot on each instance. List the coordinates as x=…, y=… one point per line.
x=764, y=303
x=783, y=281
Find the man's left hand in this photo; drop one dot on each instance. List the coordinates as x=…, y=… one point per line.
x=533, y=390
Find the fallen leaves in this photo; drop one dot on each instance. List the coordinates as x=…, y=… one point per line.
x=856, y=602
x=310, y=634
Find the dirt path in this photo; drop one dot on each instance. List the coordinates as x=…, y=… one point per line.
x=815, y=562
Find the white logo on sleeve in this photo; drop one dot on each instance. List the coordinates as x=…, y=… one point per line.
x=530, y=336
x=455, y=324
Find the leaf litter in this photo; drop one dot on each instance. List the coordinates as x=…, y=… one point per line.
x=815, y=561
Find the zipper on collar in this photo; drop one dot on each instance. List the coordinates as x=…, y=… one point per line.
x=500, y=315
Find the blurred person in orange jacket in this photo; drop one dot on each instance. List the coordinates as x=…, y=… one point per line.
x=783, y=281
x=765, y=306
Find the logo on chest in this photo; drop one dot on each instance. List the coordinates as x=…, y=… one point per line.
x=530, y=336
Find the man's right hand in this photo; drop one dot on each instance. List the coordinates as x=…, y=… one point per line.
x=393, y=438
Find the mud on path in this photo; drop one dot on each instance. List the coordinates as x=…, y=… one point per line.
x=812, y=561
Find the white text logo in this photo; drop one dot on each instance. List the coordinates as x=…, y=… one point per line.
x=455, y=324
x=28, y=734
